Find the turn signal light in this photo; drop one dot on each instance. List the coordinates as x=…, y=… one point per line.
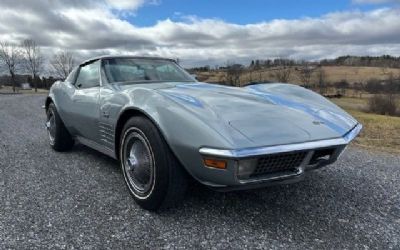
x=213, y=163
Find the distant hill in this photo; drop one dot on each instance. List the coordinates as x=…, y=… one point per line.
x=352, y=69
x=332, y=74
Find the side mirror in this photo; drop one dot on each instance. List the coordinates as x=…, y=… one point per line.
x=194, y=76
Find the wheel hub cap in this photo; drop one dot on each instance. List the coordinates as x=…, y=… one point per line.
x=138, y=163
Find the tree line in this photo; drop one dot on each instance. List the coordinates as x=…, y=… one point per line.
x=364, y=61
x=27, y=58
x=355, y=61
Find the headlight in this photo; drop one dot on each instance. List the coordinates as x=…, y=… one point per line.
x=246, y=168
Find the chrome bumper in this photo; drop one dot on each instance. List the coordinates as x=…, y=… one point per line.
x=249, y=152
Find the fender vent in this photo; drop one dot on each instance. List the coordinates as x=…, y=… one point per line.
x=107, y=134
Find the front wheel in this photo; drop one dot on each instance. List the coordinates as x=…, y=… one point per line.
x=152, y=173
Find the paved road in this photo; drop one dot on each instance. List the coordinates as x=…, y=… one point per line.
x=78, y=200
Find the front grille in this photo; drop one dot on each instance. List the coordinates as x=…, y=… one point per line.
x=270, y=164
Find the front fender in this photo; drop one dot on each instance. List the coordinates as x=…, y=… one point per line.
x=182, y=127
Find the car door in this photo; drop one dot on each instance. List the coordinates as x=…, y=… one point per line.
x=84, y=110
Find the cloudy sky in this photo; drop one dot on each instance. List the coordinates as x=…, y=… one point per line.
x=206, y=32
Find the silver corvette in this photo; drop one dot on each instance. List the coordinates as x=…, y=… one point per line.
x=164, y=127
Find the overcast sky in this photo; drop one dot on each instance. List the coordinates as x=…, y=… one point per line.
x=206, y=32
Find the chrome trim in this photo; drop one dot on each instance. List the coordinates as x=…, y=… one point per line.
x=275, y=177
x=353, y=133
x=96, y=146
x=249, y=152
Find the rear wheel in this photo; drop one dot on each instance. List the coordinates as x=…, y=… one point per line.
x=59, y=137
x=152, y=173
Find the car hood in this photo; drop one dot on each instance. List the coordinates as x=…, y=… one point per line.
x=265, y=114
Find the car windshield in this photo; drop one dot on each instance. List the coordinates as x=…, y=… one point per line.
x=143, y=70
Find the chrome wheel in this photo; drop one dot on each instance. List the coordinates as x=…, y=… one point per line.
x=138, y=162
x=51, y=126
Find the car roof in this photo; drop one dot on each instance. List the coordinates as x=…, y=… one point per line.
x=125, y=56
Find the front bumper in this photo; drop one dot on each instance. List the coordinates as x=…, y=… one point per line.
x=315, y=154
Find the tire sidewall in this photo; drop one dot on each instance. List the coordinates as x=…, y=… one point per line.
x=161, y=159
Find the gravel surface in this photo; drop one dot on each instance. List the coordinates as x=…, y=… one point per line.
x=79, y=200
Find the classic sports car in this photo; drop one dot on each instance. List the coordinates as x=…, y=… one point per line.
x=164, y=126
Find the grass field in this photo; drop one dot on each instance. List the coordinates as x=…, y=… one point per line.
x=357, y=74
x=380, y=132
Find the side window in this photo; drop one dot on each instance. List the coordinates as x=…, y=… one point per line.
x=88, y=76
x=71, y=76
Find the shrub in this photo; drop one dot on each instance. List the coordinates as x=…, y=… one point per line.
x=382, y=104
x=342, y=86
x=374, y=86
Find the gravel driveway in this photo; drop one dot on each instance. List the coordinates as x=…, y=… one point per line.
x=79, y=200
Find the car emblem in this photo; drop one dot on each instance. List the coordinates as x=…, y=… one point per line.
x=318, y=122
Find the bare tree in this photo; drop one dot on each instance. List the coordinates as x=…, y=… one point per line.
x=374, y=86
x=283, y=70
x=383, y=104
x=322, y=81
x=33, y=59
x=305, y=74
x=342, y=86
x=392, y=85
x=63, y=63
x=282, y=74
x=233, y=73
x=250, y=75
x=358, y=89
x=10, y=55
